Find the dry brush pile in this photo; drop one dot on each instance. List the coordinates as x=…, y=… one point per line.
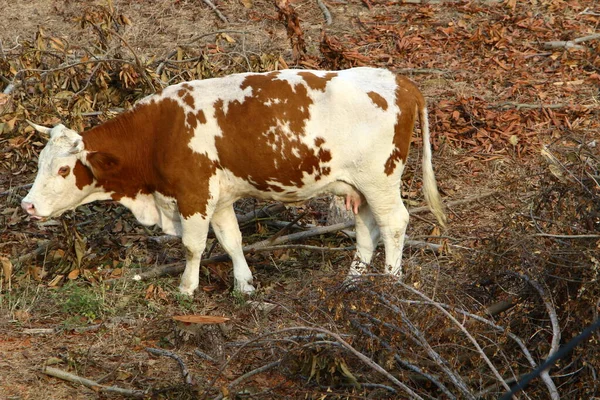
x=468, y=324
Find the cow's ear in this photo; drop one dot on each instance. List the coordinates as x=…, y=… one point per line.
x=102, y=162
x=77, y=146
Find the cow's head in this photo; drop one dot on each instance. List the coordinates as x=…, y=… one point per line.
x=57, y=188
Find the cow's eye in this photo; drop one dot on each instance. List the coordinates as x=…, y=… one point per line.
x=64, y=171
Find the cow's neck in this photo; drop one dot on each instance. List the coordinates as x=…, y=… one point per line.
x=129, y=138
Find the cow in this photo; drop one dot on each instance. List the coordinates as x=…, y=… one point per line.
x=180, y=158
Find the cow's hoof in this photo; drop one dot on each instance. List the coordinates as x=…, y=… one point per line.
x=244, y=288
x=188, y=291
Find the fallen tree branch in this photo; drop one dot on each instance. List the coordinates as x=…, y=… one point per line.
x=326, y=13
x=12, y=190
x=187, y=377
x=571, y=44
x=545, y=376
x=590, y=236
x=528, y=106
x=216, y=10
x=366, y=360
x=463, y=329
x=95, y=386
x=43, y=246
x=417, y=336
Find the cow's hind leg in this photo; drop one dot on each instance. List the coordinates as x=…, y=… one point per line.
x=367, y=237
x=225, y=225
x=392, y=217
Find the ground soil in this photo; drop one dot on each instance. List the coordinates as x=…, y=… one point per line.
x=484, y=70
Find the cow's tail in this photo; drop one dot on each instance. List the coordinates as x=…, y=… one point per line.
x=430, y=189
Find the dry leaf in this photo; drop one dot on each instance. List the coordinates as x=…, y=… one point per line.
x=73, y=274
x=7, y=267
x=80, y=245
x=200, y=319
x=56, y=281
x=247, y=3
x=228, y=38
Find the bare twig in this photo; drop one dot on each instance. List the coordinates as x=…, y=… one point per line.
x=571, y=44
x=205, y=356
x=404, y=363
x=519, y=106
x=216, y=10
x=366, y=360
x=326, y=13
x=43, y=246
x=67, y=376
x=591, y=236
x=418, y=337
x=12, y=190
x=545, y=376
x=463, y=329
x=187, y=377
x=250, y=374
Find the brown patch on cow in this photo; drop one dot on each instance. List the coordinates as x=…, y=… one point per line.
x=185, y=93
x=316, y=82
x=201, y=117
x=262, y=143
x=378, y=100
x=83, y=175
x=146, y=150
x=409, y=101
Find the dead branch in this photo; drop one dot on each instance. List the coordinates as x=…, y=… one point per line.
x=43, y=246
x=366, y=360
x=424, y=71
x=67, y=376
x=326, y=13
x=406, y=364
x=205, y=356
x=555, y=344
x=216, y=10
x=591, y=236
x=250, y=374
x=545, y=376
x=187, y=377
x=463, y=329
x=39, y=331
x=12, y=190
x=417, y=336
x=527, y=106
x=571, y=44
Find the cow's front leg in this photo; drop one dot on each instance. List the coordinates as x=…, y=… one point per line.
x=194, y=232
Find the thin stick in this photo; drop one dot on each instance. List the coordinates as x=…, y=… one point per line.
x=341, y=341
x=567, y=236
x=463, y=329
x=216, y=10
x=187, y=377
x=326, y=13
x=571, y=44
x=57, y=373
x=12, y=190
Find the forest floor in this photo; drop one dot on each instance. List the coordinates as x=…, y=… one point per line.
x=515, y=122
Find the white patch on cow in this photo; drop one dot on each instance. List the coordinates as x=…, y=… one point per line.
x=52, y=194
x=155, y=209
x=203, y=141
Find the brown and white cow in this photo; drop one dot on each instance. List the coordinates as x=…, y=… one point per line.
x=180, y=158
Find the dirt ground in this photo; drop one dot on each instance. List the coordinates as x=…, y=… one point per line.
x=497, y=94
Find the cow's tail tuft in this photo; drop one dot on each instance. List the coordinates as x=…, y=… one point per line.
x=430, y=189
